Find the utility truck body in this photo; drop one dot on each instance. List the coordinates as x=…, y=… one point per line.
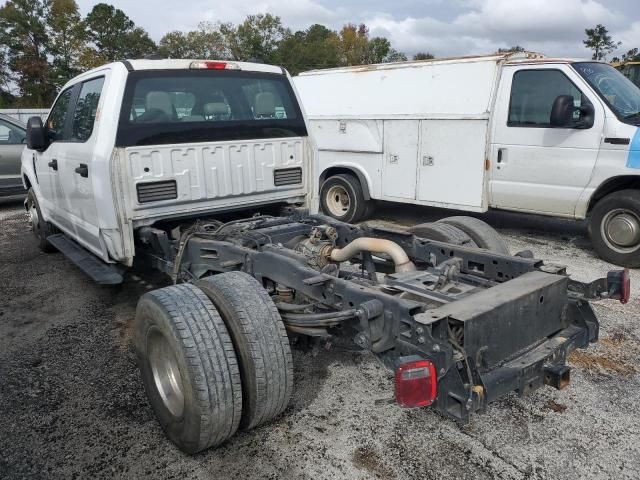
x=516, y=132
x=205, y=170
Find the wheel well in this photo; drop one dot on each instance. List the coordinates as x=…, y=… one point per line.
x=613, y=185
x=332, y=171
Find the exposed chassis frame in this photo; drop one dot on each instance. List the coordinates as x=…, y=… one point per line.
x=494, y=354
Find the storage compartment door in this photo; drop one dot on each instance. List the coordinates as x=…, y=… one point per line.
x=452, y=162
x=400, y=158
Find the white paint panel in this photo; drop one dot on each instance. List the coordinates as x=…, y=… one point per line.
x=348, y=135
x=426, y=89
x=452, y=161
x=206, y=172
x=400, y=158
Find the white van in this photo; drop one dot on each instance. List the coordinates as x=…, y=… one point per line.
x=516, y=132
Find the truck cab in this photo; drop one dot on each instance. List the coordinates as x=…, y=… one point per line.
x=136, y=141
x=518, y=132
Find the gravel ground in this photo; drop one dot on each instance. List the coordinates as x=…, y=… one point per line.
x=72, y=404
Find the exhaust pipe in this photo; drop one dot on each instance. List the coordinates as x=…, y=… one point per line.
x=375, y=245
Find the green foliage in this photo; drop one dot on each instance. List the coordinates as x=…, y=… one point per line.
x=257, y=38
x=67, y=40
x=207, y=42
x=423, y=56
x=599, y=40
x=315, y=47
x=115, y=36
x=514, y=49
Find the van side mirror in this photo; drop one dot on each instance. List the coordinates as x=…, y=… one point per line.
x=562, y=112
x=37, y=138
x=587, y=115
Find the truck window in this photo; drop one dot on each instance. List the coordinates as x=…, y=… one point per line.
x=162, y=107
x=58, y=117
x=84, y=115
x=533, y=93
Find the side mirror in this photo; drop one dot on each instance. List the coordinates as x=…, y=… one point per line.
x=562, y=112
x=36, y=134
x=587, y=114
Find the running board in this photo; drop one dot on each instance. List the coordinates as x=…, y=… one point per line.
x=101, y=272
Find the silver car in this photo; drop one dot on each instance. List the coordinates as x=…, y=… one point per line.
x=12, y=141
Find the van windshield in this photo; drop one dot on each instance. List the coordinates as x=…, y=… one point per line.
x=186, y=106
x=617, y=91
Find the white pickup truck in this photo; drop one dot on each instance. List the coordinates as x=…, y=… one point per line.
x=204, y=170
x=516, y=132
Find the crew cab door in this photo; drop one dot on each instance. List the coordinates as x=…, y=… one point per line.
x=75, y=161
x=536, y=167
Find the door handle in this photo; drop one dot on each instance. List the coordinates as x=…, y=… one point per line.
x=82, y=170
x=53, y=164
x=500, y=150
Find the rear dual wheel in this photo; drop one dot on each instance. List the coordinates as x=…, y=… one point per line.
x=213, y=358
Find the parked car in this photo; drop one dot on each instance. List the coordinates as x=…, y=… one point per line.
x=118, y=172
x=516, y=132
x=12, y=141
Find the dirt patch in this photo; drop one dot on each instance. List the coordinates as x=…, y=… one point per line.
x=366, y=458
x=600, y=364
x=555, y=406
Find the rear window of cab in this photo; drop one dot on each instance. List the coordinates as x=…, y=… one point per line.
x=187, y=106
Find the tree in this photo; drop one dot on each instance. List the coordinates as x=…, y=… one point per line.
x=514, y=49
x=23, y=37
x=599, y=40
x=257, y=38
x=632, y=55
x=316, y=47
x=67, y=40
x=205, y=42
x=115, y=36
x=423, y=56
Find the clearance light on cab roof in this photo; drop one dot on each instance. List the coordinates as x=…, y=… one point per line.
x=208, y=65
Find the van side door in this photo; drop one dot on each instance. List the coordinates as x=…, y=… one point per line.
x=76, y=166
x=536, y=165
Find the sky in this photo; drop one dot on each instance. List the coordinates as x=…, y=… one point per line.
x=441, y=27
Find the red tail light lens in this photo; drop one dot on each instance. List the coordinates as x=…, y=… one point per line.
x=626, y=286
x=416, y=383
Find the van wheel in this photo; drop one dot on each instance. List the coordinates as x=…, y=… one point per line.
x=188, y=366
x=442, y=232
x=260, y=342
x=41, y=229
x=483, y=234
x=614, y=228
x=341, y=197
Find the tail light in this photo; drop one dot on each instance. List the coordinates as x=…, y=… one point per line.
x=619, y=285
x=209, y=65
x=416, y=383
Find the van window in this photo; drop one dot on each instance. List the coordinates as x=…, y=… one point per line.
x=58, y=116
x=184, y=106
x=533, y=93
x=84, y=114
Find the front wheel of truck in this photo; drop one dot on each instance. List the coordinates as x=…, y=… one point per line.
x=39, y=226
x=614, y=228
x=188, y=367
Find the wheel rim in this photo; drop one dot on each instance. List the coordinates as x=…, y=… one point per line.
x=166, y=373
x=620, y=230
x=338, y=201
x=34, y=219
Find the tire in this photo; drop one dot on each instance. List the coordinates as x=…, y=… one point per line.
x=620, y=209
x=341, y=197
x=179, y=332
x=41, y=229
x=261, y=344
x=442, y=232
x=483, y=234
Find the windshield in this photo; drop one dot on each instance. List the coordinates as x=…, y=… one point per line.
x=622, y=96
x=163, y=107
